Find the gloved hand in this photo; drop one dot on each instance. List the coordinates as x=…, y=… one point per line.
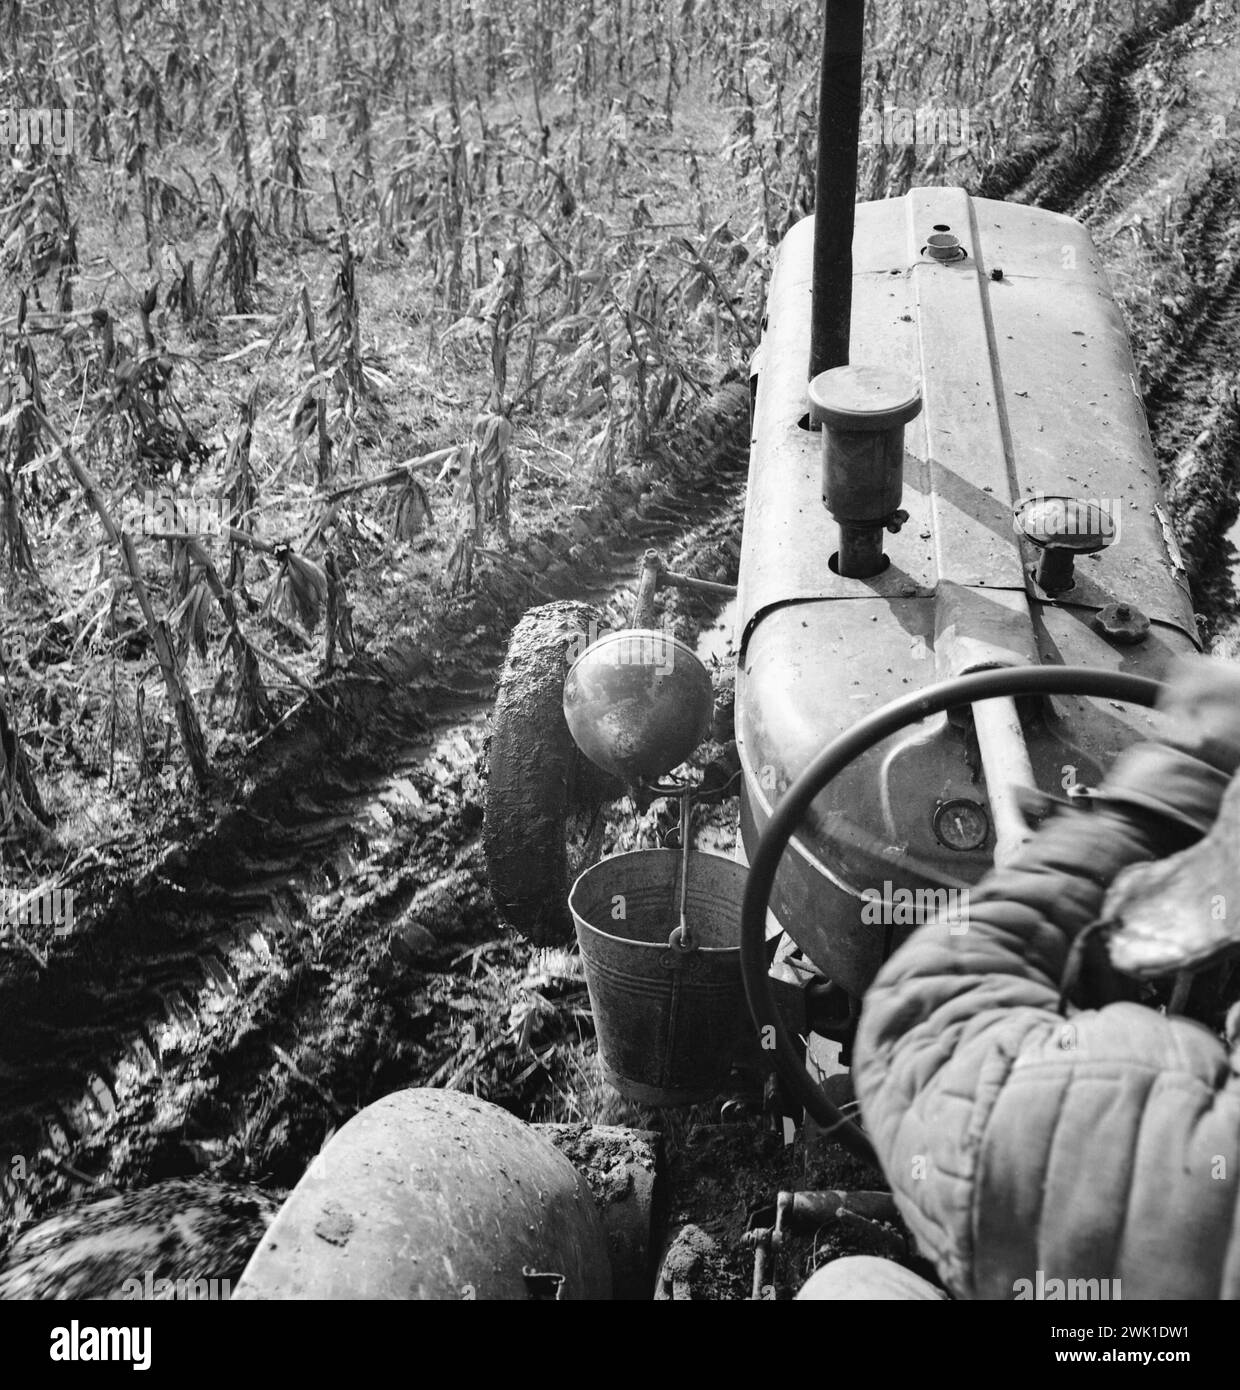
x=1183, y=911
x=1201, y=704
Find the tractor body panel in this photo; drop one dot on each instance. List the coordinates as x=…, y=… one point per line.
x=434, y=1194
x=1029, y=388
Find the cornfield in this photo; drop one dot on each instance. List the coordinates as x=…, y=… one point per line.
x=373, y=283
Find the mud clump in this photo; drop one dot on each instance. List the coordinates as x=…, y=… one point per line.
x=695, y=1268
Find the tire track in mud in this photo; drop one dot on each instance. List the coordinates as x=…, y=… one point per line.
x=1191, y=398
x=308, y=957
x=1143, y=119
x=1195, y=419
x=1110, y=136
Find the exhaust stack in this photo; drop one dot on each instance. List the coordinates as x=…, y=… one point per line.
x=835, y=190
x=860, y=410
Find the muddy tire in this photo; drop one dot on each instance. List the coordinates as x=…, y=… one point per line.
x=543, y=821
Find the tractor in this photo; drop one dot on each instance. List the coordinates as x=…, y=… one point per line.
x=958, y=591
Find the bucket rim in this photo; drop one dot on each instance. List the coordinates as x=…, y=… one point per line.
x=579, y=921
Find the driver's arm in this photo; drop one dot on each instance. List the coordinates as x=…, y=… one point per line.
x=1101, y=1146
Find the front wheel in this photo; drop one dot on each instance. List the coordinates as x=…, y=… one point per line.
x=544, y=805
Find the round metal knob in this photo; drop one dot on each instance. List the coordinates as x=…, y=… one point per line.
x=944, y=246
x=863, y=398
x=1063, y=528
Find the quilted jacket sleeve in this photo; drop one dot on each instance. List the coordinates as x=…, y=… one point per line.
x=1105, y=1145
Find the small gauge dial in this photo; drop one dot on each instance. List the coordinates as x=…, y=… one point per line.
x=961, y=824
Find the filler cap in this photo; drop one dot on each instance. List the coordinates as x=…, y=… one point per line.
x=858, y=397
x=1062, y=528
x=1066, y=523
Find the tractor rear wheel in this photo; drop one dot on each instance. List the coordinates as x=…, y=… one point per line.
x=543, y=823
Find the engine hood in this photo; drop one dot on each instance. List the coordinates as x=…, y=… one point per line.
x=1029, y=387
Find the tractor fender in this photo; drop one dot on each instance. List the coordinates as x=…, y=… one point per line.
x=431, y=1194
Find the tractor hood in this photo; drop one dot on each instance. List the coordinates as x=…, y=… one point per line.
x=1029, y=388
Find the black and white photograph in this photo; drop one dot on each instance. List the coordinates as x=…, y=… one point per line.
x=619, y=672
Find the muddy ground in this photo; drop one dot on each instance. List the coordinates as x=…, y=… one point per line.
x=327, y=937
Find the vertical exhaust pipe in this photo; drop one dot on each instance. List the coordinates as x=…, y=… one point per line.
x=835, y=188
x=861, y=410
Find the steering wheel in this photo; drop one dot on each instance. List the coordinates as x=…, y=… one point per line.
x=960, y=690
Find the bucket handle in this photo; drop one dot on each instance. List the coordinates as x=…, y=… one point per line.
x=683, y=943
x=681, y=939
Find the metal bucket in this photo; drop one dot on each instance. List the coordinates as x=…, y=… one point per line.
x=667, y=1018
